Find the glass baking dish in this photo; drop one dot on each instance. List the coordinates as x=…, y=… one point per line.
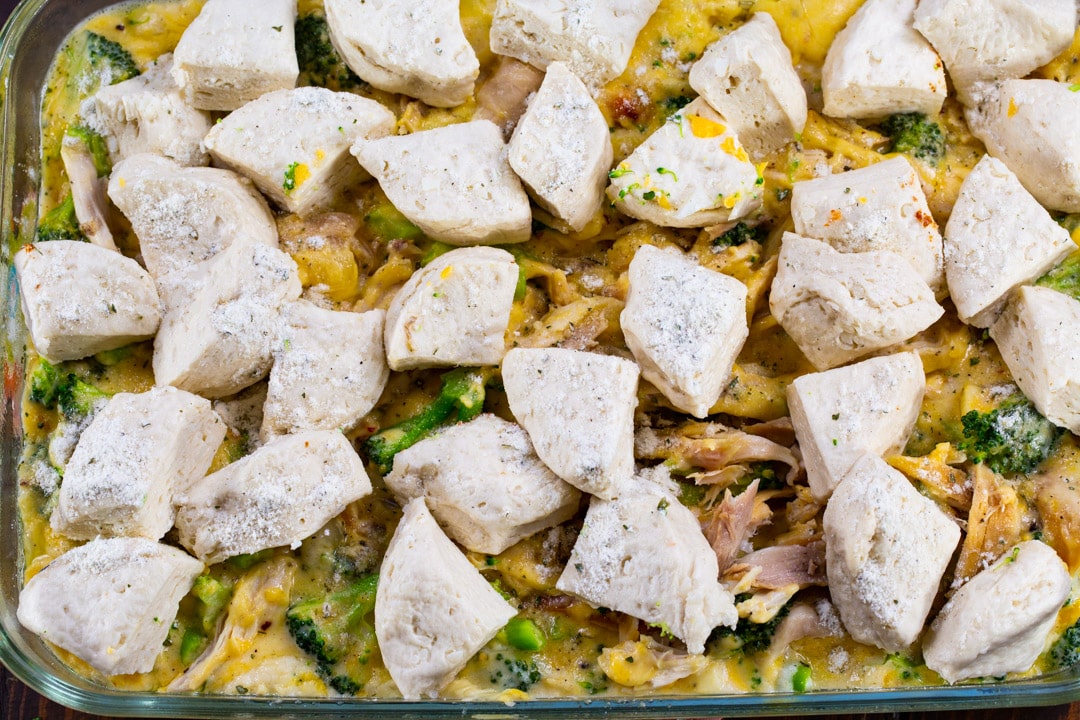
x=28, y=42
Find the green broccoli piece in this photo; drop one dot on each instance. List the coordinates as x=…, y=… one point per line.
x=752, y=637
x=60, y=223
x=95, y=145
x=739, y=235
x=1065, y=652
x=94, y=61
x=389, y=222
x=78, y=400
x=913, y=134
x=460, y=400
x=45, y=382
x=1011, y=438
x=1065, y=277
x=213, y=596
x=517, y=673
x=336, y=630
x=319, y=61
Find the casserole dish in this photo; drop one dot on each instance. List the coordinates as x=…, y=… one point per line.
x=28, y=44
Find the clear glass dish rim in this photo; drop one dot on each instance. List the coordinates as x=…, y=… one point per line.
x=30, y=661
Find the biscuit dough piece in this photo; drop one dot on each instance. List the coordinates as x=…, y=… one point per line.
x=1036, y=335
x=294, y=144
x=414, y=47
x=1027, y=124
x=280, y=494
x=645, y=555
x=433, y=609
x=886, y=547
x=685, y=325
x=137, y=452
x=148, y=114
x=561, y=148
x=879, y=207
x=997, y=238
x=235, y=51
x=183, y=216
x=748, y=78
x=691, y=172
x=983, y=40
x=484, y=483
x=999, y=621
x=110, y=602
x=329, y=370
x=454, y=311
x=454, y=182
x=222, y=338
x=79, y=299
x=843, y=413
x=594, y=37
x=578, y=408
x=879, y=65
x=838, y=307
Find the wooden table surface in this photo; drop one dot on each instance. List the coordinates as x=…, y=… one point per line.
x=18, y=702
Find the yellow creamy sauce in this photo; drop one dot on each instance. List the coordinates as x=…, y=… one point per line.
x=574, y=280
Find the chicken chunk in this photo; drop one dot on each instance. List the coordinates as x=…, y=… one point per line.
x=454, y=182
x=110, y=602
x=999, y=621
x=997, y=238
x=454, y=311
x=578, y=409
x=79, y=299
x=839, y=307
x=329, y=370
x=594, y=37
x=1027, y=125
x=88, y=185
x=843, y=413
x=887, y=547
x=685, y=325
x=294, y=144
x=879, y=65
x=691, y=172
x=645, y=555
x=414, y=47
x=747, y=76
x=484, y=483
x=982, y=40
x=433, y=609
x=879, y=207
x=222, y=337
x=235, y=51
x=137, y=452
x=1036, y=335
x=561, y=148
x=280, y=494
x=183, y=216
x=148, y=114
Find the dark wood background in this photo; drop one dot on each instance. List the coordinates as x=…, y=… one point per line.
x=17, y=702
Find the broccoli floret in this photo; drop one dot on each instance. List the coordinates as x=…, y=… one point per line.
x=319, y=62
x=738, y=235
x=336, y=630
x=60, y=223
x=1011, y=438
x=1065, y=277
x=1065, y=652
x=213, y=596
x=913, y=134
x=78, y=400
x=95, y=145
x=460, y=400
x=94, y=61
x=516, y=673
x=752, y=637
x=45, y=382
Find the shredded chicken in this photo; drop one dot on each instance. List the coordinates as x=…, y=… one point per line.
x=87, y=192
x=502, y=98
x=779, y=566
x=259, y=601
x=944, y=483
x=995, y=523
x=711, y=447
x=802, y=621
x=647, y=662
x=728, y=524
x=763, y=606
x=576, y=325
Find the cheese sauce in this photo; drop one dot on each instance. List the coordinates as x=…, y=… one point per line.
x=575, y=291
